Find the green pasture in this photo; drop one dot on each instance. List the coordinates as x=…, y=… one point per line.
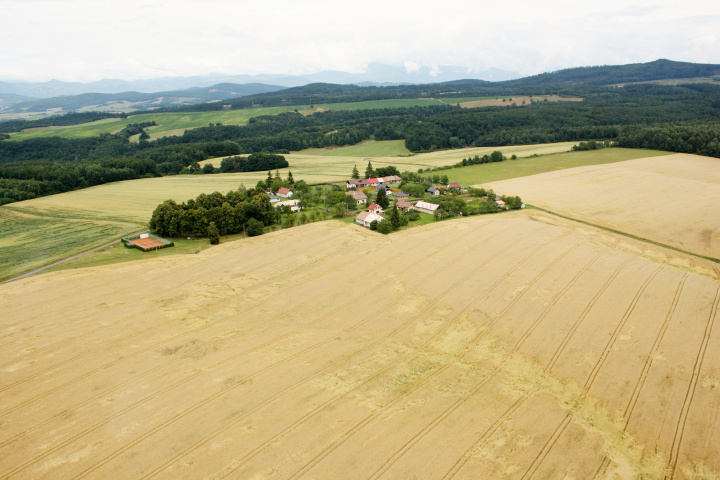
x=167, y=123
x=522, y=167
x=372, y=148
x=175, y=123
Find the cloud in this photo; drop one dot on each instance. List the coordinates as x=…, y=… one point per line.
x=85, y=40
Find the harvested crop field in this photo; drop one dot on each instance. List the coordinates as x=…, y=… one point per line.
x=670, y=199
x=505, y=346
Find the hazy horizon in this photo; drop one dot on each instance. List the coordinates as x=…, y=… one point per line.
x=83, y=41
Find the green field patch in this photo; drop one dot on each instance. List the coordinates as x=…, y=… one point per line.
x=522, y=167
x=28, y=242
x=175, y=123
x=372, y=148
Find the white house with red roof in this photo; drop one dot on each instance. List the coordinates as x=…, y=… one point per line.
x=375, y=208
x=284, y=192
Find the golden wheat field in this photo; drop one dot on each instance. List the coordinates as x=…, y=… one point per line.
x=670, y=199
x=507, y=346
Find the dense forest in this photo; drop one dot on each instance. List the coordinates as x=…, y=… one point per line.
x=682, y=118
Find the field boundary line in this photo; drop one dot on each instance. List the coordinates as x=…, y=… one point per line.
x=67, y=259
x=625, y=234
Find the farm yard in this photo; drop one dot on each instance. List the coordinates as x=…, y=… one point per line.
x=495, y=347
x=670, y=199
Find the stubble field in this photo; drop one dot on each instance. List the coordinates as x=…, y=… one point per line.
x=670, y=199
x=510, y=346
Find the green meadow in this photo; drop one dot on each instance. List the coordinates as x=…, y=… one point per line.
x=524, y=166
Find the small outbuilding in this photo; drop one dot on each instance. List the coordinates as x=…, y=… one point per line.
x=426, y=207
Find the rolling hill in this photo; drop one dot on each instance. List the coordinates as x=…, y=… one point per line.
x=137, y=101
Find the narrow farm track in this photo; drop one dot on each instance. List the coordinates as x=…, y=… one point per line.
x=486, y=347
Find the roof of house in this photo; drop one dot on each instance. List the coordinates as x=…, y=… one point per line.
x=426, y=205
x=374, y=206
x=454, y=185
x=284, y=191
x=404, y=204
x=355, y=181
x=432, y=189
x=392, y=178
x=287, y=203
x=369, y=217
x=357, y=194
x=402, y=194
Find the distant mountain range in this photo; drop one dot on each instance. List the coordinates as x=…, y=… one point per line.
x=124, y=96
x=377, y=74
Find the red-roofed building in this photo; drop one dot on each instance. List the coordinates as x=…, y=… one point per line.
x=284, y=192
x=375, y=208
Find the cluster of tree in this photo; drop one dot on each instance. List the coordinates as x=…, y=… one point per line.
x=135, y=129
x=394, y=220
x=253, y=163
x=590, y=145
x=371, y=172
x=495, y=156
x=248, y=210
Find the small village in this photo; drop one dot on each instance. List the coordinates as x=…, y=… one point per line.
x=381, y=203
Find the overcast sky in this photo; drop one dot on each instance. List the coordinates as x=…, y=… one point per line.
x=84, y=40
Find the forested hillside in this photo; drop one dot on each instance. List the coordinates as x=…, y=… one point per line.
x=682, y=118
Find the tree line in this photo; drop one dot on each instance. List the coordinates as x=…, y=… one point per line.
x=678, y=118
x=238, y=210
